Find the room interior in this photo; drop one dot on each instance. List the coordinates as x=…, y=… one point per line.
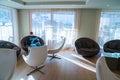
x=71, y=65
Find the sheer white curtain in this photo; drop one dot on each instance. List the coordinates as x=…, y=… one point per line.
x=53, y=23
x=109, y=26
x=6, y=24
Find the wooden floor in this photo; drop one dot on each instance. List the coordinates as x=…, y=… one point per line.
x=70, y=67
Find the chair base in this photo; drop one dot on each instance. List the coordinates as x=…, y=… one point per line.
x=36, y=69
x=54, y=57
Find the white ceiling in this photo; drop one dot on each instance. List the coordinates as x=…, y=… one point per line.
x=33, y=4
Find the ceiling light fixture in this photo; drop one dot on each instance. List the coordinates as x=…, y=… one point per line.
x=82, y=2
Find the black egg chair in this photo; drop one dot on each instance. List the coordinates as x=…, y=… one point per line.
x=87, y=47
x=10, y=45
x=112, y=46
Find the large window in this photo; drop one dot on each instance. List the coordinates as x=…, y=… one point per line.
x=51, y=24
x=109, y=27
x=6, y=26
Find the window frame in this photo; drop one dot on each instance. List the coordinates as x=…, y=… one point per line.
x=51, y=12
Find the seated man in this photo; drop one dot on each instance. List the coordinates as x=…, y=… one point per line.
x=31, y=41
x=34, y=41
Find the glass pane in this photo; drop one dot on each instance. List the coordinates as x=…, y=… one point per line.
x=63, y=25
x=51, y=25
x=109, y=27
x=6, y=29
x=41, y=20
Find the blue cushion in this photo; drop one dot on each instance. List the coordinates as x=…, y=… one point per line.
x=34, y=41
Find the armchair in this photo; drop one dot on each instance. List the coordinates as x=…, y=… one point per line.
x=112, y=46
x=25, y=42
x=56, y=49
x=103, y=72
x=87, y=47
x=9, y=45
x=8, y=61
x=36, y=58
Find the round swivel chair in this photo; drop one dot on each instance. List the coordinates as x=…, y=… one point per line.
x=87, y=47
x=25, y=42
x=8, y=62
x=112, y=46
x=10, y=45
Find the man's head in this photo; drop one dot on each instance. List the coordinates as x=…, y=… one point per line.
x=31, y=33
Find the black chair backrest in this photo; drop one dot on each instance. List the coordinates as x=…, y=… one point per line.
x=85, y=43
x=112, y=46
x=25, y=42
x=10, y=45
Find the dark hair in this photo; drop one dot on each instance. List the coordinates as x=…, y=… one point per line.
x=31, y=32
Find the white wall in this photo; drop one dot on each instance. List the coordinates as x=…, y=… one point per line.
x=88, y=23
x=23, y=23
x=15, y=26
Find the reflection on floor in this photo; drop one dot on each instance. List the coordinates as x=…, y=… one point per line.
x=71, y=66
